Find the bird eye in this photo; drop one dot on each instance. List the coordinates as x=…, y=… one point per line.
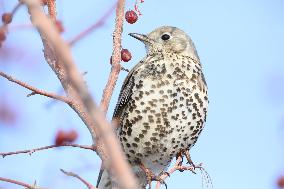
x=165, y=37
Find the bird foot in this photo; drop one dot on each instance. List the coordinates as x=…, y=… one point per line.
x=189, y=161
x=150, y=176
x=185, y=153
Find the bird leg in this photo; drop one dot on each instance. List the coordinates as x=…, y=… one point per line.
x=185, y=153
x=179, y=154
x=150, y=176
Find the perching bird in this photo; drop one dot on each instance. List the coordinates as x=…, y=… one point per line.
x=162, y=105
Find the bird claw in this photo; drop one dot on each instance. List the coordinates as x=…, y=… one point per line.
x=189, y=161
x=188, y=158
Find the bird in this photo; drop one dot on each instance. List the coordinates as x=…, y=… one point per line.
x=162, y=106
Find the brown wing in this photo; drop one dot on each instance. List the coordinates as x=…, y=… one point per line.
x=125, y=92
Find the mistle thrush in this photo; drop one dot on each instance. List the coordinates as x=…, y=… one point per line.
x=162, y=105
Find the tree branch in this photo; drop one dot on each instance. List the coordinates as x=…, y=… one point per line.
x=116, y=57
x=178, y=167
x=20, y=183
x=35, y=90
x=31, y=151
x=62, y=63
x=51, y=9
x=94, y=26
x=89, y=185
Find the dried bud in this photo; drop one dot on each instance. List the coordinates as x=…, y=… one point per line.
x=59, y=26
x=131, y=17
x=125, y=55
x=7, y=18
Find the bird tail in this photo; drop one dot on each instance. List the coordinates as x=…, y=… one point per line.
x=104, y=181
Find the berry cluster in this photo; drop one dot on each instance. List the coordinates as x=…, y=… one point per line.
x=131, y=17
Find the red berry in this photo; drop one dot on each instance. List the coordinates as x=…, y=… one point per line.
x=125, y=55
x=63, y=137
x=59, y=138
x=7, y=18
x=2, y=35
x=131, y=17
x=71, y=136
x=280, y=182
x=59, y=26
x=7, y=113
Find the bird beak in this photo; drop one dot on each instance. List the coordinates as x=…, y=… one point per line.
x=141, y=37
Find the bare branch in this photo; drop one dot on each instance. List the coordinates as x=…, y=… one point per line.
x=35, y=90
x=178, y=167
x=116, y=57
x=89, y=185
x=31, y=151
x=94, y=26
x=56, y=61
x=17, y=6
x=108, y=146
x=20, y=183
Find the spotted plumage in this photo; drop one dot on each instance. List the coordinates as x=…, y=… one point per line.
x=163, y=103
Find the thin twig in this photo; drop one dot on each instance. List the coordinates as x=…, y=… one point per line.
x=177, y=167
x=35, y=90
x=31, y=151
x=20, y=183
x=89, y=185
x=116, y=57
x=18, y=5
x=94, y=26
x=124, y=69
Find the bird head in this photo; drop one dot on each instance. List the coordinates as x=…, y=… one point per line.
x=168, y=39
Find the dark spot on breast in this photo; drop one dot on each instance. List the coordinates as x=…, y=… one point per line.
x=147, y=143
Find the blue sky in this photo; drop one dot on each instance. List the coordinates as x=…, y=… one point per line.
x=240, y=44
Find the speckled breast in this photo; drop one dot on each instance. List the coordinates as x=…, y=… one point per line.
x=165, y=113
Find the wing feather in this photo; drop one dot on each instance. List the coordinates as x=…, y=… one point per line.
x=125, y=92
